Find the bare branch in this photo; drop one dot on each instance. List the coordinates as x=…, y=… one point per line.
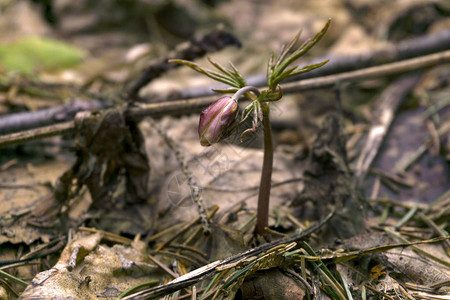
x=26, y=120
x=396, y=52
x=211, y=42
x=195, y=105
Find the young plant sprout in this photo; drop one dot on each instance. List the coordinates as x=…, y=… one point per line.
x=217, y=120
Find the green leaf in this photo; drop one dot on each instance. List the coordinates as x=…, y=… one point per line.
x=34, y=53
x=308, y=68
x=238, y=77
x=286, y=74
x=231, y=77
x=277, y=72
x=221, y=69
x=211, y=74
x=137, y=288
x=237, y=274
x=305, y=47
x=286, y=49
x=232, y=74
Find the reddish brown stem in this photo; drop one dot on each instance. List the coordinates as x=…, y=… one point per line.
x=262, y=220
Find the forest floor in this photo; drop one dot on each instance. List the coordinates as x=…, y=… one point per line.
x=97, y=131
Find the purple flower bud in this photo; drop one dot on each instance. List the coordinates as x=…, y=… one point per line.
x=216, y=120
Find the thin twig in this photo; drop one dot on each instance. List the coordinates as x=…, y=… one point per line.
x=437, y=230
x=210, y=42
x=164, y=232
x=196, y=105
x=299, y=278
x=406, y=49
x=407, y=205
x=163, y=266
x=378, y=292
x=189, y=248
x=44, y=117
x=13, y=278
x=417, y=249
x=193, y=260
x=249, y=189
x=20, y=264
x=107, y=235
x=368, y=73
x=38, y=133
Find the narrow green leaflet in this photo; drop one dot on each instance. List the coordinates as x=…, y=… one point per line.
x=211, y=74
x=238, y=77
x=308, y=68
x=277, y=72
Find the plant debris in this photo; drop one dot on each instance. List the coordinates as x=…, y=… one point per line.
x=96, y=198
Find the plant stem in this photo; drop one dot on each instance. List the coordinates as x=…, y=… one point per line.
x=262, y=220
x=245, y=91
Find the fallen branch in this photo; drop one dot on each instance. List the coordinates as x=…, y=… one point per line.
x=396, y=52
x=38, y=133
x=404, y=66
x=196, y=48
x=211, y=42
x=44, y=117
x=195, y=105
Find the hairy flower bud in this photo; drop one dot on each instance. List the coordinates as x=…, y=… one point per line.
x=216, y=120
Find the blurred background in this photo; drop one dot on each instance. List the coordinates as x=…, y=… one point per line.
x=58, y=52
x=96, y=38
x=59, y=57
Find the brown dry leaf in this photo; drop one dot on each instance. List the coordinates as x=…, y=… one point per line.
x=110, y=161
x=419, y=268
x=225, y=242
x=25, y=194
x=89, y=270
x=22, y=186
x=272, y=284
x=429, y=174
